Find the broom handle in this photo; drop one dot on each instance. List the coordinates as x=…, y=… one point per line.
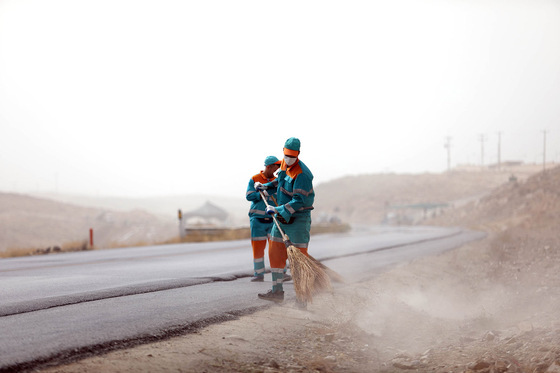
x=274, y=217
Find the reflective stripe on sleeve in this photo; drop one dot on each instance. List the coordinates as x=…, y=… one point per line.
x=304, y=192
x=289, y=208
x=285, y=191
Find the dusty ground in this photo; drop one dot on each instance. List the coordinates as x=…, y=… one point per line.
x=490, y=306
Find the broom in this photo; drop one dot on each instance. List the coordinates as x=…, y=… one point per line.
x=308, y=275
x=334, y=276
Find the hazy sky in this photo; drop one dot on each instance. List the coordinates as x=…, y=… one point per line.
x=142, y=98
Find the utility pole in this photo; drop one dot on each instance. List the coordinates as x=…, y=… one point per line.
x=482, y=139
x=499, y=150
x=544, y=151
x=447, y=146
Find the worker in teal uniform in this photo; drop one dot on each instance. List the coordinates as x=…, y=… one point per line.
x=295, y=197
x=260, y=222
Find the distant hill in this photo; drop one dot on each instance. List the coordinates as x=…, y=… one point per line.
x=30, y=222
x=366, y=199
x=353, y=199
x=165, y=206
x=529, y=204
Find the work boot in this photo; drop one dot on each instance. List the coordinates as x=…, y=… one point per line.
x=257, y=279
x=287, y=278
x=275, y=296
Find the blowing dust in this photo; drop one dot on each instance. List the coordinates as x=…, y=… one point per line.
x=493, y=302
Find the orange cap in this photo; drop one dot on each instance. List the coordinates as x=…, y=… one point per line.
x=290, y=152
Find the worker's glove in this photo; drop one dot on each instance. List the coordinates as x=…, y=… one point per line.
x=271, y=210
x=259, y=187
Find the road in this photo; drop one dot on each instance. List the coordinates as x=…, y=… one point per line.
x=54, y=307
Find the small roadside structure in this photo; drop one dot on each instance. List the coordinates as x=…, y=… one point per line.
x=207, y=219
x=207, y=214
x=412, y=213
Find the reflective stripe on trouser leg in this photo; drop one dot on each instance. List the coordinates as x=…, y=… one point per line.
x=278, y=256
x=258, y=265
x=277, y=279
x=258, y=256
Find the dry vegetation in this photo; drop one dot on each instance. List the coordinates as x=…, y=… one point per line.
x=64, y=248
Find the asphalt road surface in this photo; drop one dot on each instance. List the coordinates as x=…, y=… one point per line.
x=59, y=306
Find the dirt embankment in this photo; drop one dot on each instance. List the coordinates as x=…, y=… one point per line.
x=368, y=199
x=490, y=306
x=34, y=223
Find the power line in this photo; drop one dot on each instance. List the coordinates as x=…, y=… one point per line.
x=447, y=146
x=482, y=139
x=544, y=150
x=499, y=150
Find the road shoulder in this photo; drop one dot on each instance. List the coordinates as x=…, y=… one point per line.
x=486, y=306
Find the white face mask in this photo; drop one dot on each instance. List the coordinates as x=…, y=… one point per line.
x=289, y=161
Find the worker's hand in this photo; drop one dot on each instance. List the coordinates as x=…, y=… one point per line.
x=259, y=186
x=271, y=210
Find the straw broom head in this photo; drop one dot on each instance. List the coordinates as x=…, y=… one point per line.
x=308, y=275
x=333, y=275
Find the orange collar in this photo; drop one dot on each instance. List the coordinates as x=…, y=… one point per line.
x=293, y=170
x=266, y=178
